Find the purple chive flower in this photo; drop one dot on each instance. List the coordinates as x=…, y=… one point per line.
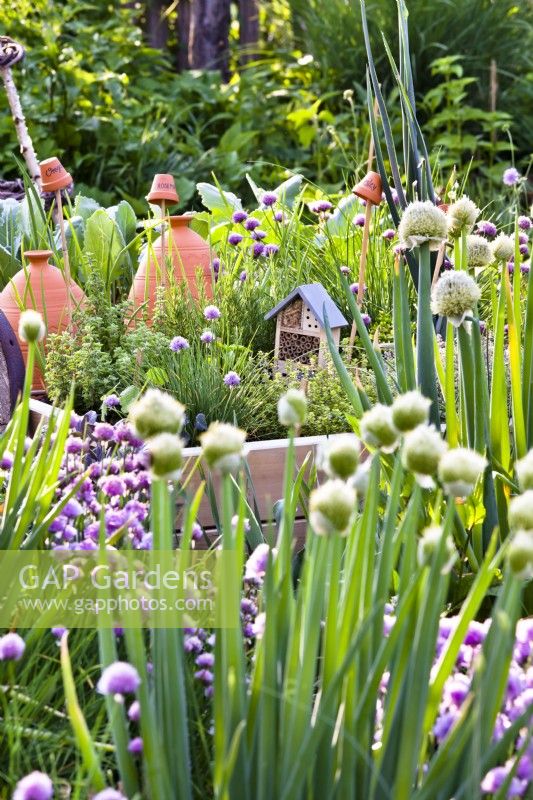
x=178, y=343
x=269, y=199
x=395, y=198
x=367, y=319
x=232, y=379
x=197, y=532
x=524, y=250
x=134, y=711
x=235, y=238
x=111, y=401
x=251, y=224
x=390, y=233
x=243, y=276
x=359, y=220
x=135, y=746
x=239, y=216
x=113, y=486
x=258, y=249
x=486, y=228
x=6, y=462
x=354, y=288
x=270, y=249
x=258, y=235
x=193, y=644
x=205, y=660
x=207, y=337
x=525, y=267
x=72, y=509
x=12, y=647
x=278, y=216
x=510, y=266
x=524, y=223
x=204, y=675
x=446, y=263
x=35, y=786
x=522, y=238
x=109, y=794
x=320, y=206
x=103, y=431
x=73, y=445
x=443, y=725
x=482, y=326
x=58, y=632
x=511, y=176
x=345, y=270
x=119, y=678
x=255, y=567
x=211, y=312
x=216, y=265
x=494, y=779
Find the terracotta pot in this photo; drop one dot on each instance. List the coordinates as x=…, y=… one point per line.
x=54, y=175
x=42, y=287
x=163, y=188
x=369, y=188
x=443, y=207
x=188, y=251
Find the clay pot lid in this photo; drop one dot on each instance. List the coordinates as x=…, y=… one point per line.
x=54, y=175
x=163, y=188
x=369, y=188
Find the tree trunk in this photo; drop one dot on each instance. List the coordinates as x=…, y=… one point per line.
x=248, y=29
x=184, y=28
x=156, y=24
x=208, y=35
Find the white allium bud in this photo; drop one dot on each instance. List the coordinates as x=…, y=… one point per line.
x=503, y=247
x=222, y=446
x=520, y=555
x=460, y=469
x=157, y=412
x=361, y=478
x=422, y=222
x=377, y=428
x=461, y=216
x=331, y=508
x=454, y=296
x=31, y=326
x=292, y=408
x=339, y=456
x=409, y=410
x=521, y=511
x=423, y=448
x=478, y=252
x=524, y=470
x=429, y=542
x=166, y=455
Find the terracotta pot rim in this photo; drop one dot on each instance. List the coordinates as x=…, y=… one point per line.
x=38, y=254
x=182, y=219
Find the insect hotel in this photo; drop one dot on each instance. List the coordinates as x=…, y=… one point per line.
x=300, y=325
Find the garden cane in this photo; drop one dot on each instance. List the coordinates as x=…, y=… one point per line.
x=369, y=189
x=11, y=53
x=163, y=191
x=55, y=178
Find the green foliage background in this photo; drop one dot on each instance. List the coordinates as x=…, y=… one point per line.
x=117, y=111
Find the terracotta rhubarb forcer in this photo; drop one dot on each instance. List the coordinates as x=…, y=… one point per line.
x=40, y=286
x=189, y=253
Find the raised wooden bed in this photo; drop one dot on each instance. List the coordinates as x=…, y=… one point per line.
x=266, y=464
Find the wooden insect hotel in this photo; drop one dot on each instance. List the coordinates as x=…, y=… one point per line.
x=300, y=325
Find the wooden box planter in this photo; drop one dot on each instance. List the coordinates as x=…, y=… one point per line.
x=266, y=464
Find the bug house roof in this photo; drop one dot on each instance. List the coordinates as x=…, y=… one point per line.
x=315, y=296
